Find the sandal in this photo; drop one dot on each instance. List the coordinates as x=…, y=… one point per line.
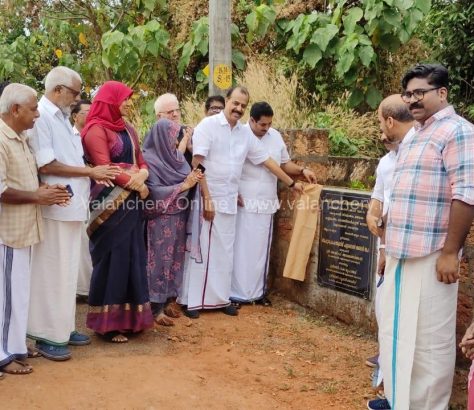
x=33, y=353
x=172, y=310
x=17, y=367
x=263, y=301
x=164, y=320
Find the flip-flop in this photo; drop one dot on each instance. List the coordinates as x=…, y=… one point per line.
x=33, y=353
x=24, y=368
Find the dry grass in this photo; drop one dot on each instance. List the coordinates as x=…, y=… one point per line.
x=294, y=109
x=183, y=13
x=264, y=84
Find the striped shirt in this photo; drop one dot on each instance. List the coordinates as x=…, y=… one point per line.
x=20, y=224
x=435, y=167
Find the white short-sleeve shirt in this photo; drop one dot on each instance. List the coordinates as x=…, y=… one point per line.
x=225, y=151
x=258, y=186
x=52, y=138
x=384, y=174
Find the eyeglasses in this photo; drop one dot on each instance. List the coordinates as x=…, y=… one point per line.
x=418, y=94
x=74, y=92
x=171, y=112
x=215, y=108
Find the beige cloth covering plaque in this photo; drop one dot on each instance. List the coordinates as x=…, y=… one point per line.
x=306, y=217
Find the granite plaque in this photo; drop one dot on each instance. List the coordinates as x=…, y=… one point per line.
x=347, y=254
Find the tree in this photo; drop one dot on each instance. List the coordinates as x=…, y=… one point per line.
x=449, y=30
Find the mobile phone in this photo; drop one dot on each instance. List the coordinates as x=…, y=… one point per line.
x=201, y=168
x=69, y=189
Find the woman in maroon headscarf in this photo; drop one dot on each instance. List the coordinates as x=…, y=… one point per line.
x=118, y=297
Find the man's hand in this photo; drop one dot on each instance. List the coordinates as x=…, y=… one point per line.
x=240, y=200
x=310, y=176
x=372, y=223
x=467, y=342
x=447, y=268
x=298, y=187
x=104, y=174
x=381, y=262
x=52, y=195
x=209, y=210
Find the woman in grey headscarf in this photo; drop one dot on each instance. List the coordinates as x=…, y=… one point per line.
x=169, y=181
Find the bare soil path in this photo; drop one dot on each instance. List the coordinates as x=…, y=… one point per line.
x=266, y=358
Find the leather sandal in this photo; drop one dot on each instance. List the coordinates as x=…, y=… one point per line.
x=19, y=368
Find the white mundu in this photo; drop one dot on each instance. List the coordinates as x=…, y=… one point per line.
x=225, y=151
x=258, y=189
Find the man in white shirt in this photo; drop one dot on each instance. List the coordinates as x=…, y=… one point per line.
x=258, y=202
x=55, y=261
x=222, y=144
x=78, y=118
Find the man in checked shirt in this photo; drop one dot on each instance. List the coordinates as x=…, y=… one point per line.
x=430, y=214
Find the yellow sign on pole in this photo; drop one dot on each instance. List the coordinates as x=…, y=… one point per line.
x=223, y=76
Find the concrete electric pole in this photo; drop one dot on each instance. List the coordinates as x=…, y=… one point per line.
x=220, y=46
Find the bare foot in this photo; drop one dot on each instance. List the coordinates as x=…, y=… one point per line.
x=119, y=338
x=17, y=367
x=163, y=320
x=33, y=353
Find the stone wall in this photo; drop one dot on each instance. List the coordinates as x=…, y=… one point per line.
x=311, y=147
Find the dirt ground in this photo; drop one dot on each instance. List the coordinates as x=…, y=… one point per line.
x=266, y=358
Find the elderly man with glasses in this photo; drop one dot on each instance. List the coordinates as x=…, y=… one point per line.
x=430, y=214
x=55, y=260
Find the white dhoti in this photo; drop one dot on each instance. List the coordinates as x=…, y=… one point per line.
x=54, y=271
x=417, y=334
x=85, y=265
x=253, y=239
x=209, y=282
x=14, y=300
x=182, y=298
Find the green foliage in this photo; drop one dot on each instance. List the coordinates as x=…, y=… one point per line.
x=449, y=30
x=259, y=20
x=133, y=52
x=359, y=185
x=198, y=42
x=350, y=37
x=340, y=144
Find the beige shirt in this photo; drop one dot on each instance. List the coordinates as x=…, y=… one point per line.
x=20, y=224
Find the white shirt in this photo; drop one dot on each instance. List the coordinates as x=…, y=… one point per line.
x=52, y=138
x=384, y=174
x=258, y=186
x=225, y=151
